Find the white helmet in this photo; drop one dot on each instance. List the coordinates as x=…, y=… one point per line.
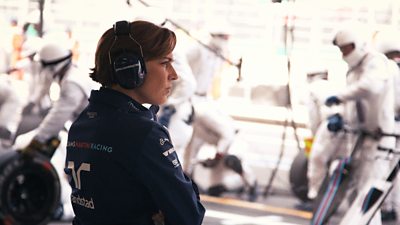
x=388, y=46
x=352, y=36
x=387, y=41
x=55, y=59
x=53, y=54
x=346, y=36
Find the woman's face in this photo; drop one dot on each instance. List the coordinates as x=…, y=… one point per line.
x=157, y=85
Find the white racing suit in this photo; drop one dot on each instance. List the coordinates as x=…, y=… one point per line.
x=319, y=90
x=371, y=84
x=33, y=79
x=11, y=105
x=75, y=88
x=392, y=202
x=211, y=126
x=204, y=64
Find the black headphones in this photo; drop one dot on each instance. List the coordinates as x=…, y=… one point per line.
x=128, y=67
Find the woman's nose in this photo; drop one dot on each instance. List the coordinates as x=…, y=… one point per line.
x=173, y=74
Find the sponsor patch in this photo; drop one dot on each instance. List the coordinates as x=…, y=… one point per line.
x=163, y=141
x=88, y=145
x=169, y=152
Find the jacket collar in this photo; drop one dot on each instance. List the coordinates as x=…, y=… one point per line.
x=122, y=102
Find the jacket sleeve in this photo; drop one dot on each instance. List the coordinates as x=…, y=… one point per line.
x=160, y=171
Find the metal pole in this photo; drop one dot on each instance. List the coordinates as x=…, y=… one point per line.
x=41, y=21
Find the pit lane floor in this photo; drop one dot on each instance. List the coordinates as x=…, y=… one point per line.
x=275, y=209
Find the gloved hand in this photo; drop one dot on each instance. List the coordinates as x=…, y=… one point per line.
x=335, y=123
x=47, y=149
x=210, y=163
x=332, y=100
x=167, y=112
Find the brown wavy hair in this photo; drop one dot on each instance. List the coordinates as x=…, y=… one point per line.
x=156, y=42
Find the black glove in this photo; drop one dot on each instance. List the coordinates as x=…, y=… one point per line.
x=210, y=163
x=47, y=149
x=190, y=118
x=167, y=112
x=335, y=123
x=332, y=100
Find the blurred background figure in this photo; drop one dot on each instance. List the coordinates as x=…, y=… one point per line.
x=11, y=105
x=387, y=42
x=23, y=30
x=319, y=88
x=368, y=104
x=211, y=125
x=193, y=118
x=28, y=66
x=205, y=64
x=74, y=44
x=69, y=99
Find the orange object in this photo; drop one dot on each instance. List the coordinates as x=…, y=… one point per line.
x=307, y=145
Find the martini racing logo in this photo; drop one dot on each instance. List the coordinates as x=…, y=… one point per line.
x=88, y=145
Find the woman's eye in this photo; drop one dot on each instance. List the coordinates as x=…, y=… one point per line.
x=165, y=64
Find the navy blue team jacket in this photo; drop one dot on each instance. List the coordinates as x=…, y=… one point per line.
x=123, y=169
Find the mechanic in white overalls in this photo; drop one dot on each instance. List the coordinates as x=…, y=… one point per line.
x=387, y=42
x=11, y=105
x=368, y=103
x=75, y=86
x=211, y=124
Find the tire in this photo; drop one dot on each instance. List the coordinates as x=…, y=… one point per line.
x=298, y=176
x=29, y=189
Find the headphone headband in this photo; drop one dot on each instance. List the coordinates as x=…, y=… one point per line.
x=128, y=67
x=122, y=28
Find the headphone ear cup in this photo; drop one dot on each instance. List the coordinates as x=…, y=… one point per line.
x=129, y=70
